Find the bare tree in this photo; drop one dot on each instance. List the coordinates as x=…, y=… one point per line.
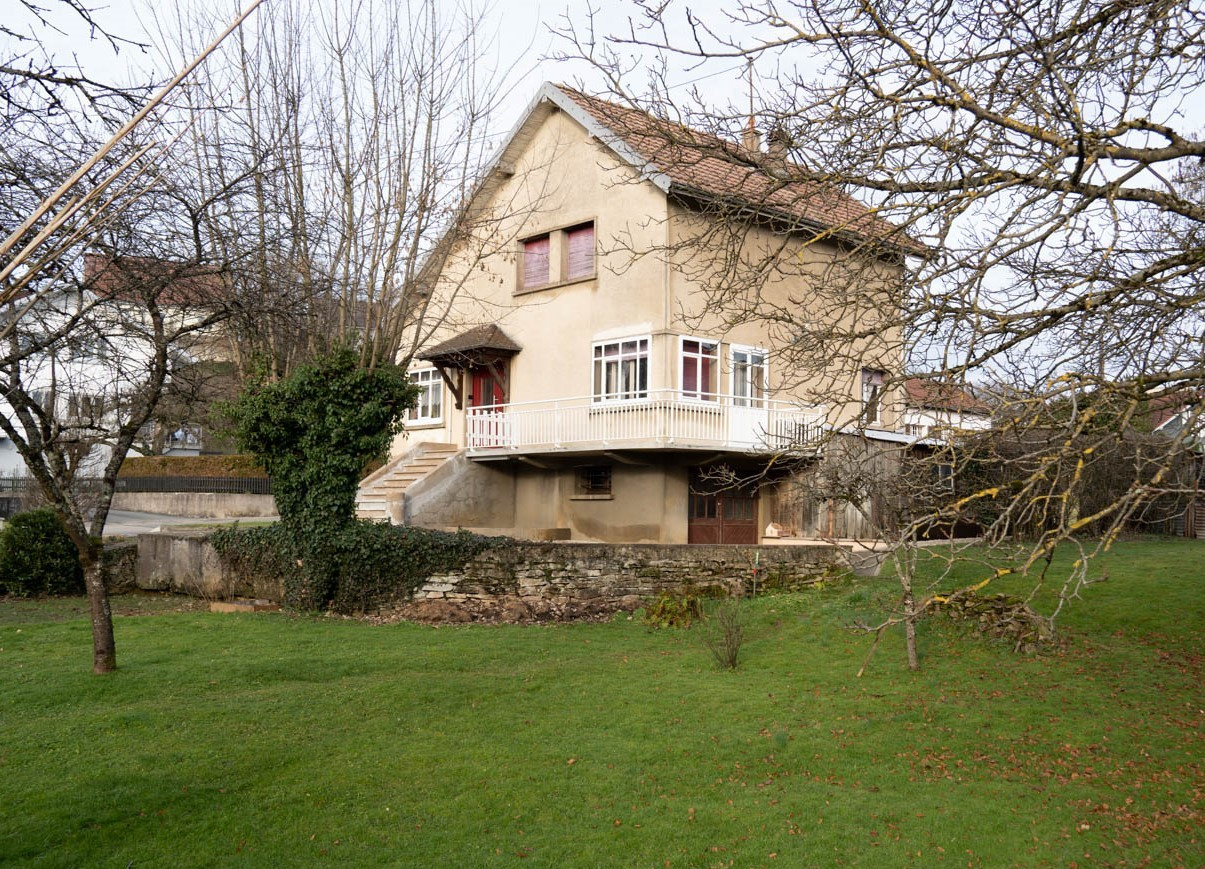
x=1044, y=158
x=361, y=127
x=83, y=363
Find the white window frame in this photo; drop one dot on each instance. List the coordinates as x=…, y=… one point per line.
x=431, y=383
x=713, y=395
x=749, y=399
x=598, y=369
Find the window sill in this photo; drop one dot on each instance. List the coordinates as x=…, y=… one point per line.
x=416, y=425
x=556, y=285
x=591, y=497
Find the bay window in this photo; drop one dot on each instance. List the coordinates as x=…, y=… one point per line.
x=700, y=369
x=749, y=376
x=621, y=369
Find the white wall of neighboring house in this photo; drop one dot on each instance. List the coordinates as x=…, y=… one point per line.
x=926, y=421
x=86, y=377
x=11, y=463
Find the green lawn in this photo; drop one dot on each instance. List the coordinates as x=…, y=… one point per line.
x=269, y=739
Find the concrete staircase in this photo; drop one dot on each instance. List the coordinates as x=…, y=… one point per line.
x=380, y=494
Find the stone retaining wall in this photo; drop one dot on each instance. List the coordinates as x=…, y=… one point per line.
x=601, y=573
x=624, y=572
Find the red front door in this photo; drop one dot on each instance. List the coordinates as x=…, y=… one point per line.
x=488, y=424
x=487, y=389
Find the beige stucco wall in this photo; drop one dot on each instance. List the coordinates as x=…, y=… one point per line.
x=752, y=286
x=560, y=178
x=648, y=504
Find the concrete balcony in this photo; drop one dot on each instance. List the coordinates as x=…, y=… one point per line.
x=661, y=420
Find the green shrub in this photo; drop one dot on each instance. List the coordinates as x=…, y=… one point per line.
x=37, y=557
x=373, y=563
x=675, y=609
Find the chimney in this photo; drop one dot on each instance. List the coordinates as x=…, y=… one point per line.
x=751, y=139
x=778, y=145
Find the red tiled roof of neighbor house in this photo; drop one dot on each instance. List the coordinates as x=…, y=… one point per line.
x=1162, y=408
x=172, y=283
x=709, y=167
x=920, y=392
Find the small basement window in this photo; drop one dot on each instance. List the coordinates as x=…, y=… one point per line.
x=594, y=481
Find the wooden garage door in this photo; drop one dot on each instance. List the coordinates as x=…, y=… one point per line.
x=724, y=517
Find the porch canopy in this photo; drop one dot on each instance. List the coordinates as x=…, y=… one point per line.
x=480, y=347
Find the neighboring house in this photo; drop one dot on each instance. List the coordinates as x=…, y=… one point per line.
x=1180, y=416
x=77, y=379
x=85, y=377
x=186, y=295
x=579, y=390
x=933, y=409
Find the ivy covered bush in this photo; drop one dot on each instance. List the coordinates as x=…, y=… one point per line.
x=375, y=564
x=313, y=432
x=37, y=557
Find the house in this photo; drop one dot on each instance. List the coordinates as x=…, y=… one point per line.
x=188, y=296
x=93, y=346
x=1178, y=417
x=935, y=409
x=582, y=387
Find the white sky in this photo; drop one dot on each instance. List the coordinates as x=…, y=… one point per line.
x=524, y=41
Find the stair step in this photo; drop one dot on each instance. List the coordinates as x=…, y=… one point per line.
x=374, y=500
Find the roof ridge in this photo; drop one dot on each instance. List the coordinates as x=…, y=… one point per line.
x=699, y=163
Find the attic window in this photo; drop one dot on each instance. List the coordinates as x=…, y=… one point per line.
x=557, y=257
x=535, y=261
x=579, y=252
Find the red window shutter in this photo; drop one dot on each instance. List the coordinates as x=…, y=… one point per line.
x=580, y=242
x=535, y=262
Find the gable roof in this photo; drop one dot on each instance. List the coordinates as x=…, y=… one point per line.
x=488, y=341
x=697, y=166
x=932, y=394
x=172, y=283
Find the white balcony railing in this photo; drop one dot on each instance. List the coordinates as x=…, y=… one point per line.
x=663, y=419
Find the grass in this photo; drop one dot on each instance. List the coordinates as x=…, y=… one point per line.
x=270, y=739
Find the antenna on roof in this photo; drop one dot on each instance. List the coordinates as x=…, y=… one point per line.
x=751, y=139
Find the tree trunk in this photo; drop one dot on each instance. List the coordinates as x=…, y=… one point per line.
x=104, y=648
x=910, y=626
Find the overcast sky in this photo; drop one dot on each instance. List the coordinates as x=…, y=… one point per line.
x=524, y=41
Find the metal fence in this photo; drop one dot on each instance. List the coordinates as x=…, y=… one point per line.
x=217, y=485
